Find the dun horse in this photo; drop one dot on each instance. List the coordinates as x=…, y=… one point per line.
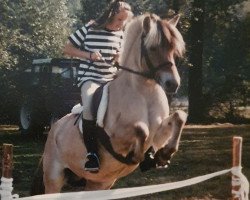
x=137, y=115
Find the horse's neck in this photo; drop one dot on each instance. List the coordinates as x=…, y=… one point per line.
x=128, y=81
x=131, y=59
x=131, y=54
x=137, y=86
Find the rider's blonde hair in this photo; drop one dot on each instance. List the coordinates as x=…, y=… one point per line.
x=114, y=8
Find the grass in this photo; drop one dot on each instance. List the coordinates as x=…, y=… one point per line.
x=203, y=150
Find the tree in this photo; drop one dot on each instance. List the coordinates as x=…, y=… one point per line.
x=226, y=75
x=93, y=9
x=28, y=30
x=196, y=59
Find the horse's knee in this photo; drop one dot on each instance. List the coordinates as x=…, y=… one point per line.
x=177, y=123
x=180, y=117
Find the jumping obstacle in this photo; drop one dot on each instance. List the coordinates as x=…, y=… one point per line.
x=7, y=166
x=240, y=185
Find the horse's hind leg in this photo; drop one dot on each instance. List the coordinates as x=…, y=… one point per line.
x=37, y=186
x=53, y=176
x=91, y=185
x=173, y=127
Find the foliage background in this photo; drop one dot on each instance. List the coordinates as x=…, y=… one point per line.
x=28, y=30
x=39, y=29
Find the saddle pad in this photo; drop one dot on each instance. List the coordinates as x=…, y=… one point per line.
x=77, y=109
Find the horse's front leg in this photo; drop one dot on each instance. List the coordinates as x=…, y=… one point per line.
x=168, y=137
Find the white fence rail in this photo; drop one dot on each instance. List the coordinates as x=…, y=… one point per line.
x=240, y=185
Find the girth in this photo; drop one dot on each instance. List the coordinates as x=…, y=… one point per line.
x=104, y=139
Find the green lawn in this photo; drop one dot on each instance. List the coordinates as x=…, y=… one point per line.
x=203, y=150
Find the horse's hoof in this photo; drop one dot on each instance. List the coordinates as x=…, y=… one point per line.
x=149, y=161
x=93, y=164
x=166, y=165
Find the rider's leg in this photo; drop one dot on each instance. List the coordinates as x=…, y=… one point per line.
x=92, y=164
x=87, y=91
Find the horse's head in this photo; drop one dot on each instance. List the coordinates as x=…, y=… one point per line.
x=161, y=43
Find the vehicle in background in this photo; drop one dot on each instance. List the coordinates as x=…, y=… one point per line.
x=49, y=92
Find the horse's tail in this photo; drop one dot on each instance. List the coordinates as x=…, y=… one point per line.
x=37, y=186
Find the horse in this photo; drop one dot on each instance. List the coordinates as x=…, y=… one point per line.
x=137, y=116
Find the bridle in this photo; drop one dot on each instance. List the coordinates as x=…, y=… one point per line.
x=151, y=73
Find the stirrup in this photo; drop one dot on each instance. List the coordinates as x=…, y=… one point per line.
x=92, y=164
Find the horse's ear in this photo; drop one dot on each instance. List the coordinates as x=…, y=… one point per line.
x=146, y=24
x=174, y=21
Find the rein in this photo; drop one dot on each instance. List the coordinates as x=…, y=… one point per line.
x=152, y=69
x=104, y=139
x=151, y=74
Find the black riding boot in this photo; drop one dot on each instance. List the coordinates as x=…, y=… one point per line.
x=92, y=164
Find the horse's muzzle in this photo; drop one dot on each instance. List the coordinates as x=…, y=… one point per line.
x=171, y=86
x=169, y=82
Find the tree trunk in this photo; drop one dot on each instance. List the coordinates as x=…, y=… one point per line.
x=195, y=72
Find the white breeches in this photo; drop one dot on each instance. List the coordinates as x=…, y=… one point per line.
x=87, y=91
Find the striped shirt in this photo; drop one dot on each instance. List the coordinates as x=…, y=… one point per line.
x=107, y=42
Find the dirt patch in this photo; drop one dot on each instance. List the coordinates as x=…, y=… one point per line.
x=217, y=125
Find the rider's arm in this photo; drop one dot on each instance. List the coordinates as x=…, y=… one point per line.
x=71, y=50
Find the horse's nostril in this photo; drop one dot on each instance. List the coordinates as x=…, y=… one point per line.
x=168, y=84
x=171, y=86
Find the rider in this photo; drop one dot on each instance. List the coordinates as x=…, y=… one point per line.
x=97, y=44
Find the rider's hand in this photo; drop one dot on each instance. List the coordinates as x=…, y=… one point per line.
x=116, y=57
x=95, y=56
